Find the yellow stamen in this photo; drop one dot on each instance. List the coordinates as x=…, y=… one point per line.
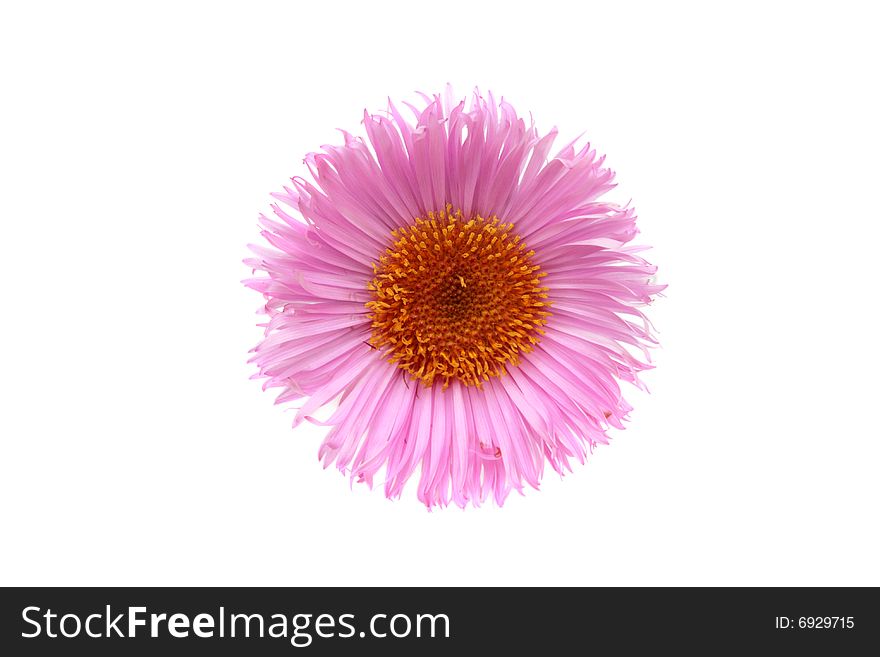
x=467, y=305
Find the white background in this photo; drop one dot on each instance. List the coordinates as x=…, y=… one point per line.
x=140, y=143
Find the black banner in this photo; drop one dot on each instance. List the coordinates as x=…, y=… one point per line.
x=391, y=621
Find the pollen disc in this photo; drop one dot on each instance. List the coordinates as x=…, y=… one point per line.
x=456, y=297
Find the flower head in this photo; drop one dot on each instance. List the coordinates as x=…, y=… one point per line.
x=464, y=303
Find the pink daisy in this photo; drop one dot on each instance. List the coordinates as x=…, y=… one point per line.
x=465, y=305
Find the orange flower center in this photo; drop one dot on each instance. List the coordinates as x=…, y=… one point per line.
x=456, y=298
